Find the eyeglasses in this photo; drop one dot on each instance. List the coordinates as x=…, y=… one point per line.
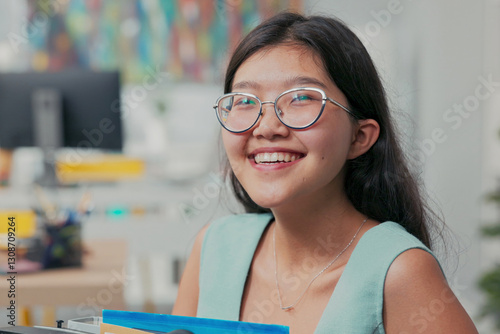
x=297, y=108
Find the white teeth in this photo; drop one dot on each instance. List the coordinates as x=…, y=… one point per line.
x=275, y=157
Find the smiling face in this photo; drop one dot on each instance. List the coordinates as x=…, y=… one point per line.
x=279, y=166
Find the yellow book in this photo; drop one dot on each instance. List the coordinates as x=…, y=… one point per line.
x=100, y=169
x=114, y=329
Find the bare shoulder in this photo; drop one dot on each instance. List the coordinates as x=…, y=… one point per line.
x=418, y=299
x=186, y=303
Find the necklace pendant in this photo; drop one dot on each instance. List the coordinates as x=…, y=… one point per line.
x=287, y=308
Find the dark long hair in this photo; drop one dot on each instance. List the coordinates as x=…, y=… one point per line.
x=378, y=183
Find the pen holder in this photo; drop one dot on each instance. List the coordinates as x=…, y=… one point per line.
x=62, y=245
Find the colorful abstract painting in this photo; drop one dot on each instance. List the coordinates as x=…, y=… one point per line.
x=189, y=39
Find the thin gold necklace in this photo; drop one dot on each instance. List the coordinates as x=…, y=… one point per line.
x=291, y=306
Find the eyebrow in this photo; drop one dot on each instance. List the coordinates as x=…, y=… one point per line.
x=290, y=82
x=246, y=84
x=304, y=80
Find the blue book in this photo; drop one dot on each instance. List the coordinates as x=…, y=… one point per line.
x=163, y=323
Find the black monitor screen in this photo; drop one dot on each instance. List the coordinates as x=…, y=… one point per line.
x=90, y=108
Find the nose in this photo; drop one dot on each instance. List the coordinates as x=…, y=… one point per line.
x=269, y=126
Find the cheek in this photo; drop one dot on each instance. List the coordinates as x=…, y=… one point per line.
x=329, y=145
x=234, y=144
x=324, y=140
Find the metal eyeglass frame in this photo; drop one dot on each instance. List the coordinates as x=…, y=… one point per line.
x=278, y=112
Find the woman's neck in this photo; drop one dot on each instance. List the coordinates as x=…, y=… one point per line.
x=314, y=232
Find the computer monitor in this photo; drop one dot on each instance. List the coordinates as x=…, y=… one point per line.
x=87, y=98
x=71, y=108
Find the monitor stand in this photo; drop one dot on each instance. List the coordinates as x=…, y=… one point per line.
x=48, y=131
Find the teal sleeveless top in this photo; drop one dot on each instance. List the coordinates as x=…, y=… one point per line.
x=357, y=301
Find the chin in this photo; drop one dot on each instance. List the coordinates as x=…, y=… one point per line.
x=267, y=200
x=267, y=204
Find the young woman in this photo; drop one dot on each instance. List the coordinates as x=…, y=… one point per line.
x=336, y=236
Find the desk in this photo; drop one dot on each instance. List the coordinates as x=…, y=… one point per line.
x=98, y=284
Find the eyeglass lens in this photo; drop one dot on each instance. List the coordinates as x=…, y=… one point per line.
x=296, y=109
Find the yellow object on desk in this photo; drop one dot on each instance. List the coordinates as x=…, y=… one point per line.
x=100, y=169
x=23, y=222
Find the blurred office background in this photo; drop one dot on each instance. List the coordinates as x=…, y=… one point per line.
x=439, y=61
